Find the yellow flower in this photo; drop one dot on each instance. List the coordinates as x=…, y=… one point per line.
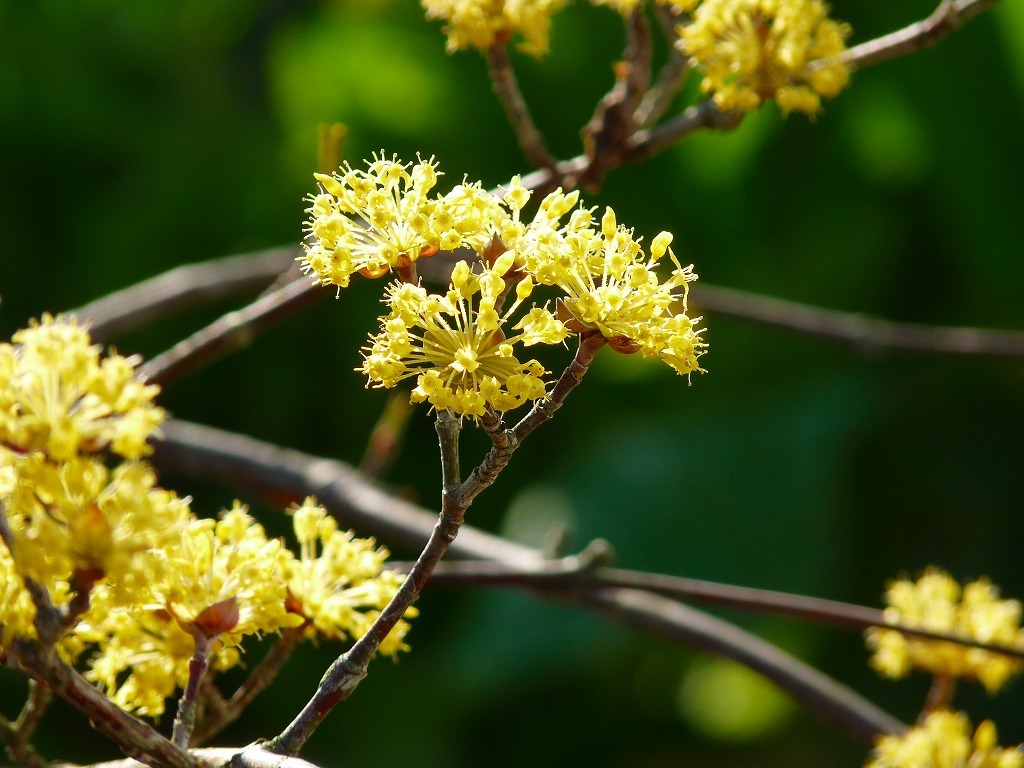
x=381, y=219
x=341, y=588
x=456, y=346
x=610, y=284
x=752, y=50
x=936, y=603
x=481, y=24
x=58, y=397
x=944, y=741
x=17, y=612
x=226, y=560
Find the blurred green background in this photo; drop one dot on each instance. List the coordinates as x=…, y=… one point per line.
x=140, y=136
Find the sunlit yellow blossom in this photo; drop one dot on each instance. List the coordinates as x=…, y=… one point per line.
x=456, y=346
x=753, y=50
x=610, y=284
x=936, y=603
x=16, y=609
x=383, y=218
x=79, y=515
x=481, y=24
x=339, y=582
x=230, y=559
x=944, y=741
x=143, y=653
x=59, y=397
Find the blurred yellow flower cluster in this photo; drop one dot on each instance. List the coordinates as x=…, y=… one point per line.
x=482, y=24
x=460, y=344
x=937, y=603
x=944, y=741
x=753, y=50
x=83, y=517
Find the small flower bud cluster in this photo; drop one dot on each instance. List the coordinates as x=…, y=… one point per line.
x=460, y=345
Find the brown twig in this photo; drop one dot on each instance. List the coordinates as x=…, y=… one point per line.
x=658, y=99
x=261, y=676
x=188, y=704
x=576, y=571
x=183, y=288
x=506, y=88
x=606, y=136
x=231, y=332
x=869, y=334
x=257, y=466
x=949, y=16
x=17, y=736
x=348, y=670
x=135, y=738
x=252, y=756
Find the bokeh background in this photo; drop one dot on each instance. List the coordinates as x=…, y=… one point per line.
x=140, y=136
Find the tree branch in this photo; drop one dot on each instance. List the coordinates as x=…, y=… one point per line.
x=182, y=288
x=349, y=669
x=204, y=451
x=869, y=334
x=231, y=332
x=506, y=88
x=949, y=16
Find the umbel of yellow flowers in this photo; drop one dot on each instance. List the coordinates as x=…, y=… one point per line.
x=937, y=603
x=748, y=51
x=84, y=514
x=460, y=345
x=944, y=740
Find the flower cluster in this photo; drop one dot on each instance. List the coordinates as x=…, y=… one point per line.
x=937, y=603
x=341, y=590
x=609, y=284
x=83, y=516
x=482, y=24
x=375, y=221
x=944, y=741
x=753, y=50
x=456, y=345
x=460, y=344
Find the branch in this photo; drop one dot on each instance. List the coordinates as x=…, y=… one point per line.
x=17, y=736
x=253, y=756
x=183, y=288
x=349, y=669
x=135, y=738
x=576, y=571
x=205, y=451
x=506, y=88
x=947, y=18
x=261, y=676
x=231, y=332
x=870, y=334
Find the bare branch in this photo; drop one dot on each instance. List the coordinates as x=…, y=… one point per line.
x=870, y=334
x=348, y=670
x=506, y=88
x=658, y=99
x=183, y=288
x=261, y=676
x=577, y=571
x=135, y=738
x=205, y=451
x=947, y=18
x=231, y=332
x=253, y=756
x=17, y=736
